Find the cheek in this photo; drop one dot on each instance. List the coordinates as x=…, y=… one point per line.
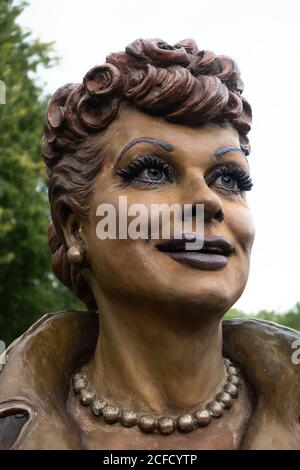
x=111, y=257
x=241, y=225
x=241, y=229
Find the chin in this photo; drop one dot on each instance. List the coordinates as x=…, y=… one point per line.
x=179, y=285
x=214, y=299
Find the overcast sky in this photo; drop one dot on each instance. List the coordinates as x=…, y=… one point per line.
x=264, y=38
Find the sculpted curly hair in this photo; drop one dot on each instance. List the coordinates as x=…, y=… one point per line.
x=180, y=83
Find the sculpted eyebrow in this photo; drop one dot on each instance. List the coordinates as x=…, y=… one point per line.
x=227, y=149
x=150, y=140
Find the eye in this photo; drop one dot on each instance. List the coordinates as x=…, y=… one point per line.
x=230, y=178
x=227, y=181
x=153, y=174
x=147, y=170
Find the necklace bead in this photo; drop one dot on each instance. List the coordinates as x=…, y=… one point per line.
x=87, y=397
x=78, y=376
x=129, y=418
x=166, y=425
x=111, y=414
x=232, y=370
x=203, y=417
x=225, y=399
x=232, y=390
x=186, y=423
x=98, y=407
x=234, y=379
x=216, y=409
x=147, y=424
x=79, y=385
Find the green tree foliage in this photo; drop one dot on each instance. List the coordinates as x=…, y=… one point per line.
x=291, y=318
x=27, y=288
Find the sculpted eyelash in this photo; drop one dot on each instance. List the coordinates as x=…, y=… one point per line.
x=145, y=161
x=243, y=179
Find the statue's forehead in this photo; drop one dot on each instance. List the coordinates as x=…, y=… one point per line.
x=131, y=124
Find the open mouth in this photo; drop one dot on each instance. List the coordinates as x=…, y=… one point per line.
x=212, y=255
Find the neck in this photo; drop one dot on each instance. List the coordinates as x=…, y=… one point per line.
x=154, y=358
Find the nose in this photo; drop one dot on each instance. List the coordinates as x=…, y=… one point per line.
x=201, y=193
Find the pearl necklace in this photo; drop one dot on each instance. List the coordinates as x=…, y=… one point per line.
x=165, y=425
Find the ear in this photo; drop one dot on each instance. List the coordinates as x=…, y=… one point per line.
x=71, y=227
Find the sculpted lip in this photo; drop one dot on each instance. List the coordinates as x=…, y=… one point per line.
x=213, y=254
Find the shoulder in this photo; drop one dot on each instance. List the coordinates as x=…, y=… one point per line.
x=34, y=377
x=258, y=341
x=269, y=356
x=267, y=353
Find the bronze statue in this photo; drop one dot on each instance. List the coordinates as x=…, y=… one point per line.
x=151, y=365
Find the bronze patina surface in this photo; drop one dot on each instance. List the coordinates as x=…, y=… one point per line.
x=156, y=124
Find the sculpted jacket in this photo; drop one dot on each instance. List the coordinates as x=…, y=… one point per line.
x=35, y=381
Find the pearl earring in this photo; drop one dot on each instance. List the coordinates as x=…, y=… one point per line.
x=76, y=255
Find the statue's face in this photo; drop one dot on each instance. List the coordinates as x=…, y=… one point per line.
x=183, y=171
